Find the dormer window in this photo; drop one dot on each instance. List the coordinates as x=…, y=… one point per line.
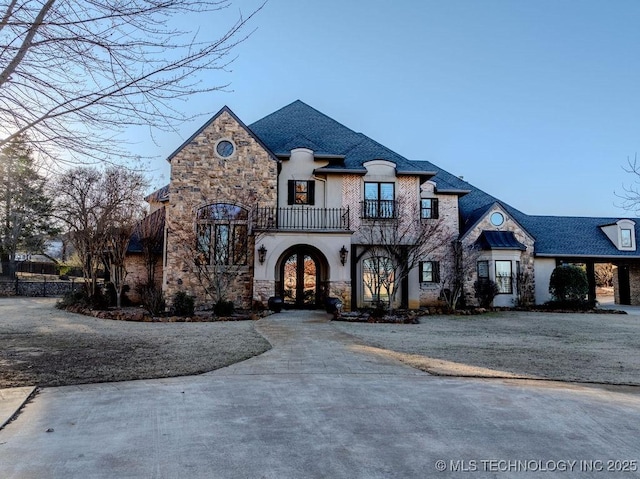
x=622, y=234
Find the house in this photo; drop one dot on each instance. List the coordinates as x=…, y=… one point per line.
x=282, y=207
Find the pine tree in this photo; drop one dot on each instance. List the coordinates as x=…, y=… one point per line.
x=25, y=207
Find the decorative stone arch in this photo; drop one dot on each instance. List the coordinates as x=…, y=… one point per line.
x=302, y=276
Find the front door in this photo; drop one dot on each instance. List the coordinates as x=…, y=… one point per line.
x=300, y=280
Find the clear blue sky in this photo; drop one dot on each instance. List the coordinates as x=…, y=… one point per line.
x=536, y=102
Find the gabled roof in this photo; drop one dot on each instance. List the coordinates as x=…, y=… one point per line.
x=224, y=109
x=499, y=240
x=299, y=126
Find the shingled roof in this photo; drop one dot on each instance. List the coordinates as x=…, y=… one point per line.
x=298, y=125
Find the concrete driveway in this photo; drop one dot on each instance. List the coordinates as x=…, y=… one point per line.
x=317, y=405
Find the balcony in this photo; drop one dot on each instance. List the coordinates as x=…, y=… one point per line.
x=301, y=219
x=378, y=209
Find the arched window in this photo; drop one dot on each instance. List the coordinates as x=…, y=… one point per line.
x=222, y=234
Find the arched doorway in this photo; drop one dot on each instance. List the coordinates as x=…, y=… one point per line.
x=302, y=277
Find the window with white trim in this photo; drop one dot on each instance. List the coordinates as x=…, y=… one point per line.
x=504, y=277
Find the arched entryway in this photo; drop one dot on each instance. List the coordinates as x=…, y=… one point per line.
x=302, y=274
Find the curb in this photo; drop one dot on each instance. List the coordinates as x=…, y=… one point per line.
x=11, y=401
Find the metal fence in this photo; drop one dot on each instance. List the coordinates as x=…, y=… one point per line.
x=20, y=287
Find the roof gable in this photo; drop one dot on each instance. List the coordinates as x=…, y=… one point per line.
x=224, y=109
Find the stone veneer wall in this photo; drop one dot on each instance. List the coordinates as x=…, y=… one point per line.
x=342, y=290
x=526, y=257
x=199, y=177
x=634, y=284
x=263, y=290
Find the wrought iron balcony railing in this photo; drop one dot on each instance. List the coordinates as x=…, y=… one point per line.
x=378, y=209
x=301, y=218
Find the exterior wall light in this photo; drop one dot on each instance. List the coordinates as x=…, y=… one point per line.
x=343, y=255
x=262, y=254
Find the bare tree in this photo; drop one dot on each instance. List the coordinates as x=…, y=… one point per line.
x=150, y=231
x=95, y=206
x=630, y=195
x=117, y=242
x=396, y=240
x=74, y=73
x=461, y=260
x=604, y=275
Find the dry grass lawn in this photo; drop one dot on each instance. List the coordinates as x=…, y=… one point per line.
x=43, y=346
x=600, y=348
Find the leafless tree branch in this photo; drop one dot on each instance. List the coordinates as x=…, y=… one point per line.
x=75, y=72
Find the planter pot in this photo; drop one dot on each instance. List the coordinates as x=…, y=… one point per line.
x=275, y=303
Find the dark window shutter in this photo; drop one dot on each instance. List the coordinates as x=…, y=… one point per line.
x=436, y=271
x=291, y=192
x=420, y=266
x=311, y=192
x=434, y=209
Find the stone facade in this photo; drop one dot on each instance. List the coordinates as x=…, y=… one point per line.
x=525, y=258
x=634, y=283
x=200, y=177
x=342, y=290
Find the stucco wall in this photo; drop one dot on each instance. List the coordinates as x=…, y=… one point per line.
x=544, y=267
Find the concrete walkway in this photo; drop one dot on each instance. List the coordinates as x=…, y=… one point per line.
x=318, y=406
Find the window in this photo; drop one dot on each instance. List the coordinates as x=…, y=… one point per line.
x=625, y=238
x=497, y=219
x=377, y=278
x=504, y=278
x=379, y=200
x=429, y=208
x=301, y=192
x=225, y=149
x=222, y=234
x=483, y=271
x=429, y=272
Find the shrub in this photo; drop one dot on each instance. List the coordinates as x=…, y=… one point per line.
x=82, y=299
x=152, y=298
x=485, y=290
x=379, y=311
x=223, y=308
x=568, y=283
x=183, y=304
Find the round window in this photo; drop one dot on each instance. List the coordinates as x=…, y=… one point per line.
x=225, y=148
x=497, y=219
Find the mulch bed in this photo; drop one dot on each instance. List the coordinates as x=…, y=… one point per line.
x=142, y=315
